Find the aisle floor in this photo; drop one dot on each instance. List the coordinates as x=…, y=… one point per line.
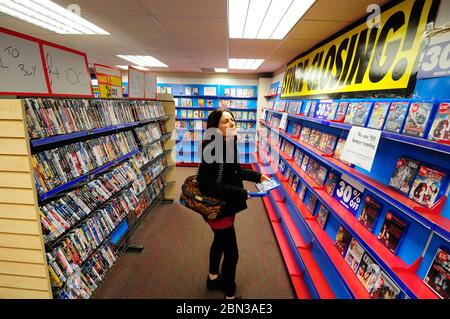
x=174, y=262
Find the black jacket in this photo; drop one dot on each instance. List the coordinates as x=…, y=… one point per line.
x=231, y=189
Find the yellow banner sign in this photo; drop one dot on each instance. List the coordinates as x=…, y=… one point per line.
x=365, y=58
x=109, y=81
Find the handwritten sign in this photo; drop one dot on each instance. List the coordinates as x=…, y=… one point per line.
x=361, y=147
x=136, y=83
x=348, y=193
x=150, y=85
x=21, y=67
x=67, y=71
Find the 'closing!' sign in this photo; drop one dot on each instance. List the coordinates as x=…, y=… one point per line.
x=364, y=58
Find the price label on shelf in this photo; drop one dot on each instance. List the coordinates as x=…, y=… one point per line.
x=349, y=194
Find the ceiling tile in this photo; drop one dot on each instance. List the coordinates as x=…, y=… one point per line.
x=110, y=7
x=219, y=43
x=315, y=29
x=195, y=8
x=245, y=48
x=194, y=27
x=129, y=25
x=338, y=10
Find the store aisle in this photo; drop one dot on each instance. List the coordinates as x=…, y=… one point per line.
x=174, y=262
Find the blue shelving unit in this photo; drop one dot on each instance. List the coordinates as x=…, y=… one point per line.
x=243, y=106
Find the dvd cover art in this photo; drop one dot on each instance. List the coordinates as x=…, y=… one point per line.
x=315, y=137
x=338, y=151
x=296, y=129
x=331, y=183
x=417, y=119
x=354, y=254
x=305, y=134
x=305, y=162
x=368, y=272
x=404, y=174
x=322, y=216
x=312, y=110
x=331, y=144
x=321, y=175
x=298, y=157
x=384, y=288
x=378, y=116
x=333, y=110
x=323, y=141
x=392, y=231
x=307, y=108
x=351, y=112
x=312, y=203
x=438, y=275
x=369, y=214
x=426, y=186
x=342, y=240
x=294, y=184
x=396, y=117
x=440, y=129
x=341, y=111
x=362, y=113
x=302, y=192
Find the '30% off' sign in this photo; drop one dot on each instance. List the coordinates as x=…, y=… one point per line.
x=349, y=194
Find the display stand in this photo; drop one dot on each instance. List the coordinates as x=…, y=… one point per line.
x=24, y=269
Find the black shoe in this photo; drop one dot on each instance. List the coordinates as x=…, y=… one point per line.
x=216, y=284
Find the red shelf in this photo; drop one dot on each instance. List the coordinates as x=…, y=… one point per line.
x=336, y=258
x=393, y=262
x=430, y=217
x=319, y=280
x=294, y=273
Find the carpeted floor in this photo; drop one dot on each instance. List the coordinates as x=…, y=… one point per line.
x=174, y=262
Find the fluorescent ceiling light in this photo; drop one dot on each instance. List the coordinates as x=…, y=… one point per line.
x=220, y=70
x=125, y=67
x=49, y=15
x=264, y=19
x=244, y=64
x=143, y=60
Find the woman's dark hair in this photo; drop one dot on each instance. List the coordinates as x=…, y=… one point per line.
x=214, y=117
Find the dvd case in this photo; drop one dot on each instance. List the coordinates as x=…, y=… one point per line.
x=396, y=117
x=440, y=130
x=404, y=174
x=392, y=231
x=438, y=275
x=418, y=118
x=427, y=186
x=369, y=213
x=379, y=113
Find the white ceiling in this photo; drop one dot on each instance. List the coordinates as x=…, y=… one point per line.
x=188, y=35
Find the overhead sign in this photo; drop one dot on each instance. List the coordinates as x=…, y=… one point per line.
x=136, y=83
x=436, y=61
x=109, y=81
x=364, y=58
x=361, y=147
x=68, y=71
x=21, y=66
x=151, y=88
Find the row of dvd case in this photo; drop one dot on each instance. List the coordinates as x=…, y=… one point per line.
x=49, y=117
x=58, y=166
x=423, y=119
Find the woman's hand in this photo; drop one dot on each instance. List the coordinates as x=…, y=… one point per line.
x=264, y=178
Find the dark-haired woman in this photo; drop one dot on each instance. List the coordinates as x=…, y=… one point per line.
x=219, y=156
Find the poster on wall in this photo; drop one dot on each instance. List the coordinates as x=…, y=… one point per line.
x=365, y=58
x=109, y=81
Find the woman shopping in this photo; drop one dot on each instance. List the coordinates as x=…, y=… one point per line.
x=220, y=175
